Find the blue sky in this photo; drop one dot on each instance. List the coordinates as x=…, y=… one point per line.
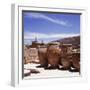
x=50, y=26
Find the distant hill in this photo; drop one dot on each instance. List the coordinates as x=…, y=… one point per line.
x=70, y=40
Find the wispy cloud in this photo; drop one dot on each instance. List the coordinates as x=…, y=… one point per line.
x=32, y=35
x=45, y=17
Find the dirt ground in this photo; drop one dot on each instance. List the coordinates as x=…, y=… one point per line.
x=47, y=73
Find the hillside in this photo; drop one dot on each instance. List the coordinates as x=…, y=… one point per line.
x=70, y=40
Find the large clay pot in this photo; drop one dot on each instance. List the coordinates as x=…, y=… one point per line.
x=69, y=61
x=64, y=50
x=53, y=55
x=42, y=53
x=65, y=58
x=76, y=61
x=66, y=63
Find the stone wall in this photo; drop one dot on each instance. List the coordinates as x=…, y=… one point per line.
x=30, y=55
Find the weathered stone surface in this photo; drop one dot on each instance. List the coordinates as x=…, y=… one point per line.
x=31, y=55
x=27, y=72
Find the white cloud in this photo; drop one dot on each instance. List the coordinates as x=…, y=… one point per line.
x=32, y=35
x=53, y=20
